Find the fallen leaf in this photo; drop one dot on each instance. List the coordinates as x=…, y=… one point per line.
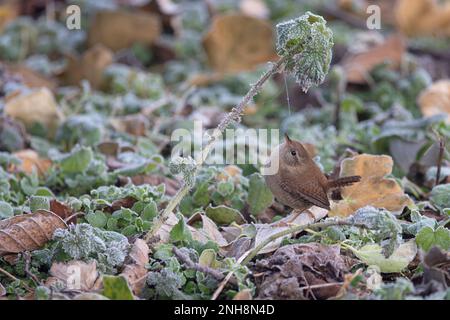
x=31, y=78
x=89, y=296
x=74, y=275
x=371, y=254
x=116, y=288
x=358, y=66
x=245, y=294
x=9, y=10
x=121, y=29
x=209, y=229
x=135, y=270
x=436, y=99
x=28, y=232
x=31, y=161
x=291, y=269
x=254, y=8
x=90, y=66
x=62, y=210
x=237, y=42
x=423, y=17
x=373, y=189
x=35, y=107
x=224, y=215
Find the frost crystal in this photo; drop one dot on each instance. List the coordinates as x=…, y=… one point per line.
x=307, y=44
x=84, y=242
x=185, y=166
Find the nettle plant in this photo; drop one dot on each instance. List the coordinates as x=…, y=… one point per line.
x=305, y=49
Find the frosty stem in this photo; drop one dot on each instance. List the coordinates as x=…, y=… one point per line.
x=233, y=116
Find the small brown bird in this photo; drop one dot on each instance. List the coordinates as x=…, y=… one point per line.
x=299, y=183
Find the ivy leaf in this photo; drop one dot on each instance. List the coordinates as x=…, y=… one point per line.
x=428, y=238
x=180, y=232
x=77, y=161
x=259, y=195
x=224, y=215
x=116, y=288
x=150, y=211
x=6, y=210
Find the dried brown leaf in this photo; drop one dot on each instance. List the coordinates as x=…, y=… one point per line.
x=436, y=99
x=31, y=161
x=237, y=42
x=75, y=275
x=423, y=17
x=358, y=66
x=373, y=189
x=121, y=29
x=28, y=232
x=134, y=270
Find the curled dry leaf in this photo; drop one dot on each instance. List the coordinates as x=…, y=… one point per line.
x=264, y=231
x=31, y=161
x=237, y=42
x=357, y=66
x=292, y=268
x=134, y=270
x=90, y=66
x=28, y=232
x=121, y=29
x=31, y=78
x=373, y=189
x=423, y=17
x=436, y=99
x=62, y=210
x=35, y=107
x=75, y=275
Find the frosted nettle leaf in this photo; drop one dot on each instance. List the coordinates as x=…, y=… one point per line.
x=307, y=44
x=185, y=166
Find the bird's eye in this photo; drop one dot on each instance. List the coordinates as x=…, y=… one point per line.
x=293, y=152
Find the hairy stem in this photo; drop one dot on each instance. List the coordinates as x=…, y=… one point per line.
x=233, y=116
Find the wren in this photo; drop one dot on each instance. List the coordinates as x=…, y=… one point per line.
x=299, y=183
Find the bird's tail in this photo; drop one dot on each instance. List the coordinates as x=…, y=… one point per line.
x=343, y=182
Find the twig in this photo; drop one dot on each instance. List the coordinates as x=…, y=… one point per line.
x=27, y=257
x=294, y=229
x=323, y=285
x=233, y=116
x=440, y=158
x=196, y=266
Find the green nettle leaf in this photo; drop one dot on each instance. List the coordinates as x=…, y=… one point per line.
x=180, y=231
x=307, y=43
x=6, y=210
x=97, y=219
x=259, y=195
x=428, y=238
x=77, y=161
x=440, y=196
x=150, y=211
x=39, y=202
x=116, y=288
x=201, y=195
x=224, y=215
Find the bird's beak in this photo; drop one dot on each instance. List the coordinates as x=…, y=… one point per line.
x=287, y=139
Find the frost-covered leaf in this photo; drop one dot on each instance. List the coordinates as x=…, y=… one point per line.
x=224, y=215
x=371, y=254
x=427, y=238
x=6, y=210
x=77, y=161
x=308, y=43
x=440, y=196
x=259, y=195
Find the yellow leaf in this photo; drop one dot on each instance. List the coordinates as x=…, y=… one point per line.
x=237, y=42
x=436, y=99
x=373, y=189
x=31, y=161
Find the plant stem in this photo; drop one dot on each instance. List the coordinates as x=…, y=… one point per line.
x=293, y=229
x=233, y=116
x=440, y=158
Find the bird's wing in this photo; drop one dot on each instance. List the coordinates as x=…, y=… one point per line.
x=311, y=191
